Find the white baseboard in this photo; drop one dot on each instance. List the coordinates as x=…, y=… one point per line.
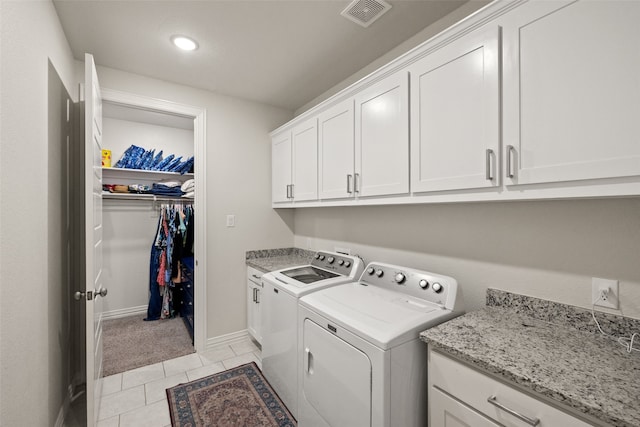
x=227, y=339
x=124, y=312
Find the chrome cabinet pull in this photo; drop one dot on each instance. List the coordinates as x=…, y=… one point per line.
x=253, y=298
x=356, y=183
x=531, y=421
x=291, y=185
x=255, y=276
x=288, y=197
x=349, y=176
x=510, y=152
x=257, y=296
x=489, y=164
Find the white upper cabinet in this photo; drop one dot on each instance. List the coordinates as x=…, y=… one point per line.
x=382, y=138
x=336, y=151
x=304, y=139
x=571, y=91
x=281, y=167
x=455, y=115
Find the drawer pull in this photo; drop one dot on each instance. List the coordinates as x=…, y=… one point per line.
x=531, y=421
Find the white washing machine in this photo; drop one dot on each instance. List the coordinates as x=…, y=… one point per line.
x=279, y=315
x=361, y=360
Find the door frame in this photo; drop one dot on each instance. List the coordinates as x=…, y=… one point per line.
x=199, y=116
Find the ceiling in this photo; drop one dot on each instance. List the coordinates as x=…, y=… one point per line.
x=279, y=52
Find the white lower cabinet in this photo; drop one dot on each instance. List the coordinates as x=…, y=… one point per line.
x=254, y=296
x=462, y=396
x=449, y=412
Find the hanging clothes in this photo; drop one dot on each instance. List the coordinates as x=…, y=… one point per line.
x=172, y=242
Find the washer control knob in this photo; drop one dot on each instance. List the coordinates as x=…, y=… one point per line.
x=379, y=273
x=371, y=270
x=331, y=259
x=317, y=256
x=321, y=257
x=437, y=288
x=423, y=284
x=341, y=262
x=400, y=278
x=347, y=264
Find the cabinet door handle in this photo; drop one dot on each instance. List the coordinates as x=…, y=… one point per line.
x=356, y=183
x=309, y=358
x=531, y=421
x=349, y=177
x=253, y=297
x=257, y=296
x=510, y=152
x=291, y=185
x=288, y=191
x=489, y=164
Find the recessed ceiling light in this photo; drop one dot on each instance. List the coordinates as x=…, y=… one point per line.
x=184, y=43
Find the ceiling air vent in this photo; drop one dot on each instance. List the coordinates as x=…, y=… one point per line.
x=365, y=12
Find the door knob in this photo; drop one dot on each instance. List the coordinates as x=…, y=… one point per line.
x=78, y=295
x=102, y=292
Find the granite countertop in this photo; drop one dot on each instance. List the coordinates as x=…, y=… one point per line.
x=588, y=372
x=276, y=259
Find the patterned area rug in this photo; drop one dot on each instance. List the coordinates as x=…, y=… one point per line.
x=236, y=397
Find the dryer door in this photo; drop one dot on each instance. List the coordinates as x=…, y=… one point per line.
x=336, y=378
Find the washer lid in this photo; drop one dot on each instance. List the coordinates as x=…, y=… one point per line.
x=384, y=318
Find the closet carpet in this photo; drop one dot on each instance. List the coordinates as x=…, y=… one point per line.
x=130, y=342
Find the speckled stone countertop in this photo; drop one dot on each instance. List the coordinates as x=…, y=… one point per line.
x=551, y=350
x=267, y=260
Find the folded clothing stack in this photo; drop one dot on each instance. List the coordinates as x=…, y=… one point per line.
x=122, y=188
x=138, y=158
x=167, y=188
x=189, y=188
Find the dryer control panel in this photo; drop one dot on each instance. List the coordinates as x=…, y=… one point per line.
x=435, y=288
x=342, y=264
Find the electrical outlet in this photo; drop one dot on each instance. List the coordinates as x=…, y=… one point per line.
x=231, y=220
x=610, y=298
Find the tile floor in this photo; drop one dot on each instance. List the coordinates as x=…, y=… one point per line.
x=137, y=398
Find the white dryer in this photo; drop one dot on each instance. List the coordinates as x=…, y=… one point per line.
x=362, y=362
x=279, y=315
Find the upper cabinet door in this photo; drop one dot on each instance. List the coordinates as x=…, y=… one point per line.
x=304, y=139
x=336, y=151
x=455, y=115
x=281, y=167
x=382, y=138
x=572, y=91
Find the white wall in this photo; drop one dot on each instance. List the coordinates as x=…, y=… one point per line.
x=427, y=33
x=239, y=183
x=119, y=135
x=31, y=388
x=545, y=249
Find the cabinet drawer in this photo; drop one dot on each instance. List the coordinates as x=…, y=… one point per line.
x=254, y=275
x=448, y=412
x=475, y=388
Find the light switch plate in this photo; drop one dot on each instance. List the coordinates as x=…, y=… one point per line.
x=231, y=220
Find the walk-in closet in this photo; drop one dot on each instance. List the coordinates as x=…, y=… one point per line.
x=149, y=223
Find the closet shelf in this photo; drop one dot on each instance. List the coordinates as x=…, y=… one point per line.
x=148, y=197
x=133, y=173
